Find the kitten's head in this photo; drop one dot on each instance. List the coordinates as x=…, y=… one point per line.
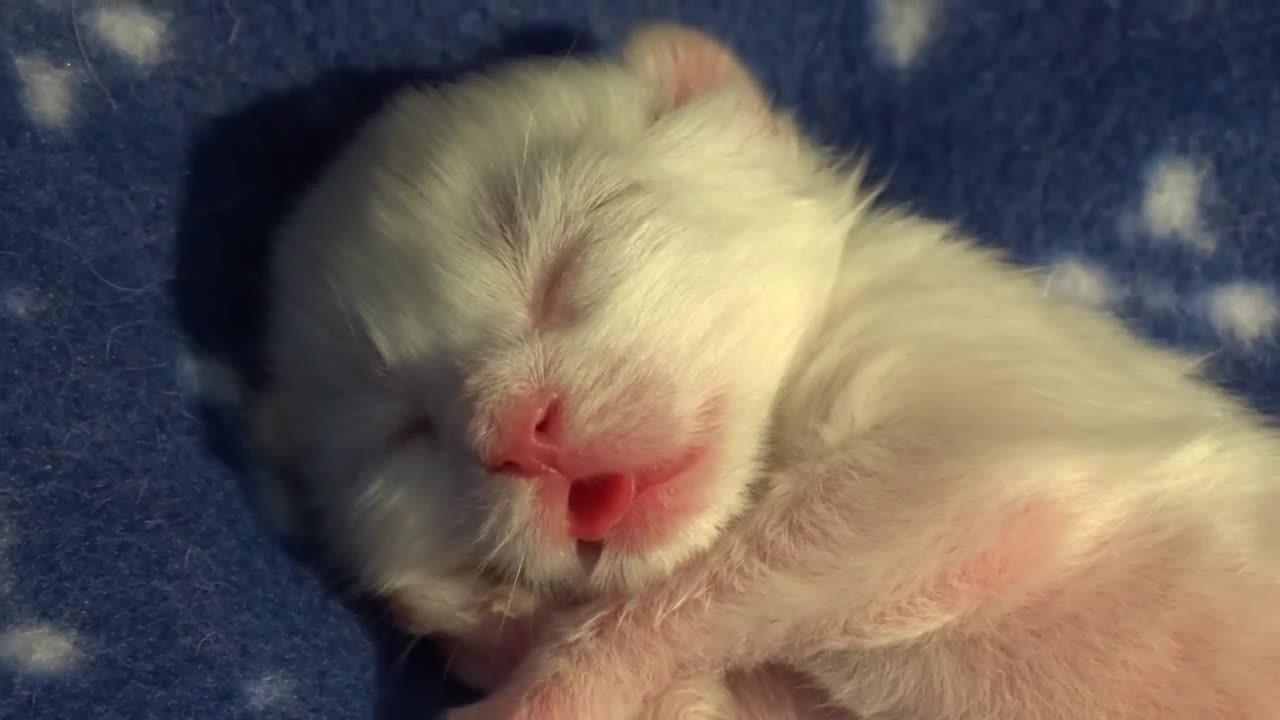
x=533, y=324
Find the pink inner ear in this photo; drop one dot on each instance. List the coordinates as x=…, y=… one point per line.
x=683, y=62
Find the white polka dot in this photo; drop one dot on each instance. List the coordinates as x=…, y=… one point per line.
x=39, y=649
x=901, y=28
x=47, y=90
x=271, y=691
x=1243, y=312
x=1081, y=283
x=1172, y=200
x=210, y=380
x=132, y=32
x=23, y=303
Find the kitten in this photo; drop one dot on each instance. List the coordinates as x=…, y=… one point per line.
x=606, y=358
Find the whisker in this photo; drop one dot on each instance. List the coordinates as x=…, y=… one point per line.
x=448, y=662
x=506, y=610
x=568, y=54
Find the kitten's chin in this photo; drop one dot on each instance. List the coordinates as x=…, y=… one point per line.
x=625, y=569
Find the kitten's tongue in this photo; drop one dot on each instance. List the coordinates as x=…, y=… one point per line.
x=597, y=503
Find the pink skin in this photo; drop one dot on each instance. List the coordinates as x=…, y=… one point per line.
x=605, y=492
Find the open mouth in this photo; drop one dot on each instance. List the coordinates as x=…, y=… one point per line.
x=599, y=503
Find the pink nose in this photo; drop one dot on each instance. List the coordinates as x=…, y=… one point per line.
x=529, y=435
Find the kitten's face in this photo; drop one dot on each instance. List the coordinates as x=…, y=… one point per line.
x=533, y=324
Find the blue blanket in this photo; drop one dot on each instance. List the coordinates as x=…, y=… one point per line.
x=1126, y=145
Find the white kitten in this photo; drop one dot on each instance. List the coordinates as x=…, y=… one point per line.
x=614, y=332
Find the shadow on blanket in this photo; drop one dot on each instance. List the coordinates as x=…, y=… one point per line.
x=246, y=170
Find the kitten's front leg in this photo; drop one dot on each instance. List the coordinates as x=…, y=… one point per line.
x=851, y=555
x=742, y=603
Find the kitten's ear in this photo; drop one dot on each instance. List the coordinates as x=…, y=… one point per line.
x=683, y=64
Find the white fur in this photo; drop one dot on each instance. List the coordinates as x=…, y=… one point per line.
x=400, y=294
x=936, y=492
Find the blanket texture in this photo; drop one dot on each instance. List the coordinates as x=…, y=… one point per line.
x=1128, y=146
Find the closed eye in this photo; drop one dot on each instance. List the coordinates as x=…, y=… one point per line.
x=548, y=307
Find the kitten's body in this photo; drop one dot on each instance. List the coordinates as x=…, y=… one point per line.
x=933, y=492
x=1033, y=516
